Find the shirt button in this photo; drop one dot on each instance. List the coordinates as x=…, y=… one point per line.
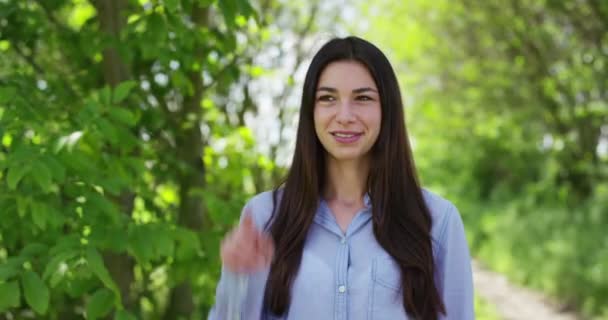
x=341, y=289
x=343, y=240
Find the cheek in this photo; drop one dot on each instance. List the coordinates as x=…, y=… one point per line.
x=318, y=122
x=374, y=119
x=320, y=118
x=379, y=124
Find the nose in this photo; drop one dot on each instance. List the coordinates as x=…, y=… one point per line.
x=345, y=113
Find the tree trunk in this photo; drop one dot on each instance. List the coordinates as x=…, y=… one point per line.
x=115, y=71
x=190, y=146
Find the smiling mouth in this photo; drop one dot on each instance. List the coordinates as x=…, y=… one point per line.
x=346, y=134
x=346, y=137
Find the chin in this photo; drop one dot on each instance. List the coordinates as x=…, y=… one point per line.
x=346, y=156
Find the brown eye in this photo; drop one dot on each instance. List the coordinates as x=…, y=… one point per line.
x=326, y=97
x=364, y=98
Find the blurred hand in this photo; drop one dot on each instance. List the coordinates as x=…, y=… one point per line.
x=245, y=249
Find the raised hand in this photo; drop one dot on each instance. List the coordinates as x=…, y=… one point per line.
x=245, y=249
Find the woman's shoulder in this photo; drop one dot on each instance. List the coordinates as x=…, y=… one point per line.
x=437, y=204
x=261, y=206
x=443, y=213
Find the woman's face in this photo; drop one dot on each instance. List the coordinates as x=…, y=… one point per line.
x=347, y=112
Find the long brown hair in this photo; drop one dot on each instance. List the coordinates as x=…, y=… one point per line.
x=401, y=220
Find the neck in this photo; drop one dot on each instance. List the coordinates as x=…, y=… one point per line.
x=346, y=181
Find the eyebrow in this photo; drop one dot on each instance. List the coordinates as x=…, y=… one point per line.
x=359, y=90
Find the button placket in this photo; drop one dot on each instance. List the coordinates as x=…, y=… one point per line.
x=341, y=312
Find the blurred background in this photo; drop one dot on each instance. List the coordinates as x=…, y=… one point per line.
x=133, y=132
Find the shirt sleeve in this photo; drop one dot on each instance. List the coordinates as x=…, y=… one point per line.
x=453, y=274
x=241, y=294
x=229, y=296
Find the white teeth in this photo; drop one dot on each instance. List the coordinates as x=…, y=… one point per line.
x=342, y=135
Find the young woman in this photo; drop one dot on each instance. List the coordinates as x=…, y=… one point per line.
x=350, y=234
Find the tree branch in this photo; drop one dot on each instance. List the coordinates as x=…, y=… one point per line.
x=29, y=59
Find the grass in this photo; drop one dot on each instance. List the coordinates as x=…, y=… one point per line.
x=484, y=310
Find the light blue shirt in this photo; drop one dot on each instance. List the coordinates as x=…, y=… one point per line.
x=348, y=276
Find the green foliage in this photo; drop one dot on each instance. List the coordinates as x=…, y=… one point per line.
x=507, y=107
x=568, y=239
x=10, y=295
x=484, y=310
x=35, y=292
x=100, y=304
x=106, y=201
x=124, y=315
x=97, y=266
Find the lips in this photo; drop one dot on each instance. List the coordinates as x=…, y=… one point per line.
x=346, y=136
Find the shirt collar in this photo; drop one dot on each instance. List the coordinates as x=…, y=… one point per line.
x=324, y=217
x=324, y=208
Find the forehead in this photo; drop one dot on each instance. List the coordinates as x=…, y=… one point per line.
x=346, y=75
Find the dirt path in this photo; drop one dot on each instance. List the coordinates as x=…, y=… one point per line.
x=513, y=302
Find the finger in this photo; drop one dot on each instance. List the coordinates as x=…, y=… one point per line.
x=228, y=259
x=251, y=255
x=247, y=217
x=230, y=243
x=260, y=241
x=257, y=242
x=228, y=240
x=266, y=248
x=235, y=251
x=247, y=262
x=260, y=263
x=248, y=226
x=226, y=251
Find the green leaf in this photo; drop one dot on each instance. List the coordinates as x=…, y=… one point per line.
x=101, y=303
x=108, y=130
x=89, y=112
x=126, y=138
x=22, y=154
x=66, y=243
x=122, y=115
x=36, y=293
x=103, y=205
x=22, y=205
x=10, y=295
x=188, y=243
x=139, y=244
x=105, y=95
x=53, y=265
x=79, y=287
x=124, y=315
x=181, y=81
x=165, y=244
x=7, y=93
x=33, y=249
x=111, y=237
x=39, y=214
x=98, y=267
x=80, y=162
x=10, y=268
x=228, y=8
x=15, y=174
x=122, y=90
x=57, y=169
x=171, y=5
x=42, y=175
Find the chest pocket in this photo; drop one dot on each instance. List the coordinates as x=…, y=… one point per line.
x=385, y=297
